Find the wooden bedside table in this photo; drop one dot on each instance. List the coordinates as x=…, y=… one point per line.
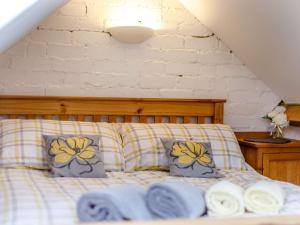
x=277, y=161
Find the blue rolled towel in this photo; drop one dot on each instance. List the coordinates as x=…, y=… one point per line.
x=114, y=204
x=175, y=200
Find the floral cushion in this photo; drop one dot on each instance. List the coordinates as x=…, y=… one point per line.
x=74, y=156
x=190, y=159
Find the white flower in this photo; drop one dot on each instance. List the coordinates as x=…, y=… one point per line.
x=280, y=109
x=272, y=114
x=281, y=120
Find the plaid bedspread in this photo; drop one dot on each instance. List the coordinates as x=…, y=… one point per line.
x=32, y=197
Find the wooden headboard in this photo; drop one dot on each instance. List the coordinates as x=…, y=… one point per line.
x=113, y=109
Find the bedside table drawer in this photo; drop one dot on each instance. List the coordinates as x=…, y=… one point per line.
x=284, y=167
x=277, y=161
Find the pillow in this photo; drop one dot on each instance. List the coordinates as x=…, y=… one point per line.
x=74, y=156
x=23, y=145
x=190, y=159
x=143, y=149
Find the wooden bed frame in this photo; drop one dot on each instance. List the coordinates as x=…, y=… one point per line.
x=270, y=220
x=126, y=110
x=113, y=109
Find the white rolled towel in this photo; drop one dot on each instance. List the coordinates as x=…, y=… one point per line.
x=225, y=199
x=264, y=197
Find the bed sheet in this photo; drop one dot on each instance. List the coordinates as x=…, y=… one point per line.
x=33, y=197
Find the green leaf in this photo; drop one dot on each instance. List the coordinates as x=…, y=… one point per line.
x=267, y=118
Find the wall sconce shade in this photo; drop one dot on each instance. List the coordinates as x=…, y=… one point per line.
x=131, y=34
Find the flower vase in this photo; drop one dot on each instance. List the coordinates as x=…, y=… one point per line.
x=276, y=132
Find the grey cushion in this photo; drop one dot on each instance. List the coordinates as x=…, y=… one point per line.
x=190, y=159
x=74, y=156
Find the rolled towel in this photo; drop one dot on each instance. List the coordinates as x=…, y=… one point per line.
x=175, y=200
x=114, y=204
x=264, y=197
x=225, y=199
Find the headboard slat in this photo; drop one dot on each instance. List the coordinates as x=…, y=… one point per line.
x=80, y=117
x=31, y=116
x=64, y=117
x=143, y=119
x=157, y=119
x=173, y=119
x=97, y=118
x=112, y=119
x=127, y=119
x=93, y=108
x=200, y=119
x=186, y=119
x=13, y=116
x=48, y=117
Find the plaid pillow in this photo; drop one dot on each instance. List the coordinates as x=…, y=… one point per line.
x=143, y=149
x=22, y=144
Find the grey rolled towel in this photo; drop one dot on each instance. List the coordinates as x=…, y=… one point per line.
x=175, y=200
x=114, y=204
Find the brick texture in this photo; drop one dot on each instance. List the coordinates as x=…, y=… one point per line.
x=70, y=54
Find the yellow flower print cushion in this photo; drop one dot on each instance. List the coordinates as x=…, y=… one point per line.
x=190, y=159
x=74, y=156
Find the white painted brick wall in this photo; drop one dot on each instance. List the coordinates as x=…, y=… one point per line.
x=69, y=54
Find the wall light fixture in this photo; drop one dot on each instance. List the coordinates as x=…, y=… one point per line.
x=133, y=24
x=131, y=34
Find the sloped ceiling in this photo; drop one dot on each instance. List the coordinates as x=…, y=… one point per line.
x=265, y=35
x=17, y=18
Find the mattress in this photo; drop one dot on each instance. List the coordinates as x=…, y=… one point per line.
x=33, y=197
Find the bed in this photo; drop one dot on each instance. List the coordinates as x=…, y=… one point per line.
x=32, y=196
